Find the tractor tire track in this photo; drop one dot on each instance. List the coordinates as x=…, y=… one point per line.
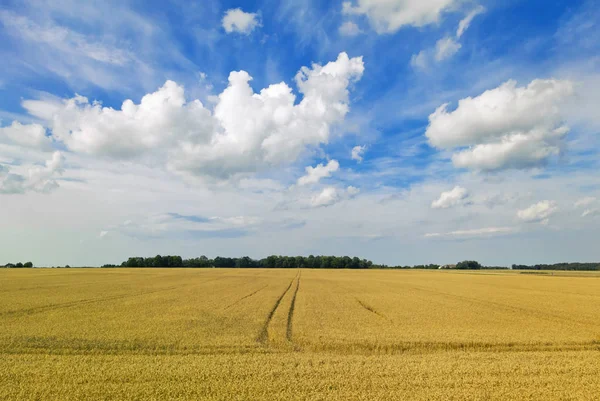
x=371, y=309
x=246, y=296
x=366, y=306
x=64, y=305
x=288, y=332
x=538, y=314
x=263, y=336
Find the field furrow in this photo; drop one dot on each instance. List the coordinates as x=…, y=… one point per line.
x=246, y=296
x=263, y=336
x=290, y=320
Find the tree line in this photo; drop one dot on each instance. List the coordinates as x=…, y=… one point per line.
x=283, y=262
x=560, y=266
x=273, y=261
x=18, y=265
x=311, y=262
x=429, y=267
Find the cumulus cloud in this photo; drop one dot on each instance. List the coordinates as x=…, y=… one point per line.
x=349, y=28
x=246, y=132
x=388, y=16
x=161, y=119
x=451, y=198
x=35, y=178
x=314, y=174
x=477, y=232
x=491, y=115
x=518, y=151
x=358, y=153
x=507, y=127
x=236, y=20
x=327, y=197
x=539, y=212
x=352, y=191
x=26, y=135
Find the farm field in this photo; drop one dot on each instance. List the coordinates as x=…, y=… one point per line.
x=298, y=334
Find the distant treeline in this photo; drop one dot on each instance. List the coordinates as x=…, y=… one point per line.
x=273, y=261
x=560, y=266
x=431, y=267
x=313, y=262
x=284, y=262
x=464, y=265
x=19, y=265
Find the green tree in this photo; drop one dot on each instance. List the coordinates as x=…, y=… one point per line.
x=468, y=265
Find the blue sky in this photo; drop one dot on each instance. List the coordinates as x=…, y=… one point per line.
x=408, y=131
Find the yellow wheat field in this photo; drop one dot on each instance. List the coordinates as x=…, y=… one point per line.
x=257, y=334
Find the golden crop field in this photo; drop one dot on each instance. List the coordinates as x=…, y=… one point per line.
x=258, y=334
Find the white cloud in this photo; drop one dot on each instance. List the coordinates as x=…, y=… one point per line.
x=237, y=221
x=358, y=153
x=26, y=135
x=496, y=200
x=517, y=151
x=352, y=191
x=327, y=197
x=388, y=16
x=298, y=197
x=105, y=44
x=451, y=198
x=63, y=39
x=181, y=226
x=236, y=20
x=84, y=48
x=246, y=132
x=495, y=112
x=477, y=232
x=420, y=60
x=314, y=174
x=591, y=213
x=586, y=201
x=169, y=225
x=446, y=48
x=403, y=219
x=349, y=28
x=34, y=178
x=539, y=212
x=464, y=24
x=102, y=234
x=161, y=119
x=507, y=127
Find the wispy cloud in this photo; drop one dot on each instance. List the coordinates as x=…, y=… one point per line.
x=474, y=233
